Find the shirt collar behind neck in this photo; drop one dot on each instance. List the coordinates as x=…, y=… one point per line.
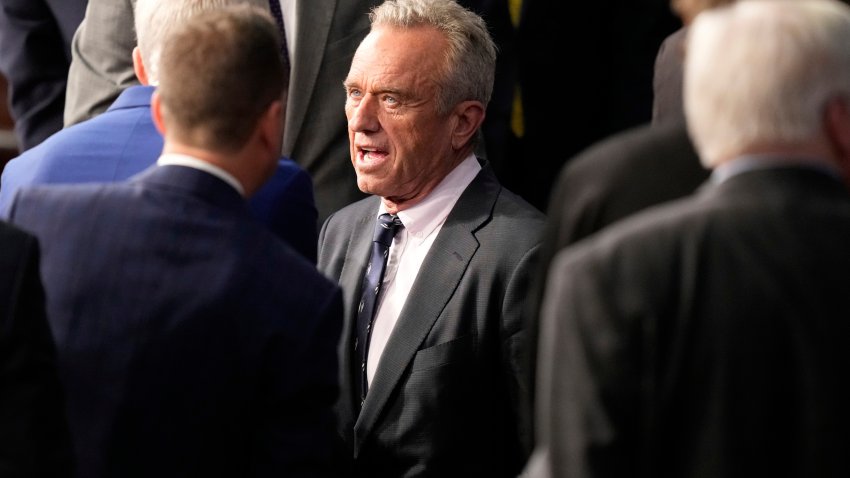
x=172, y=159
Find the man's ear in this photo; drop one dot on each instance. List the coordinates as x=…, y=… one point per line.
x=139, y=67
x=156, y=113
x=468, y=116
x=270, y=127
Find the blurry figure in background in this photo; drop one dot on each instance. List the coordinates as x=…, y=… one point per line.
x=607, y=48
x=667, y=104
x=708, y=337
x=35, y=53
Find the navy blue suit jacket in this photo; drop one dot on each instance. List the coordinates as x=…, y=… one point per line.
x=34, y=438
x=123, y=141
x=191, y=341
x=35, y=54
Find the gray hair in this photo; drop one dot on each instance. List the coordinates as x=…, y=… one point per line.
x=156, y=19
x=471, y=57
x=762, y=71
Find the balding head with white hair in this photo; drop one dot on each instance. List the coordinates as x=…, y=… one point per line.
x=770, y=77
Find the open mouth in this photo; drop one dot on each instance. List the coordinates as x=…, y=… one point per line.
x=371, y=155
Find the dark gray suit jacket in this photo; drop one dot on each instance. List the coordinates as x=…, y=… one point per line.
x=444, y=400
x=316, y=132
x=615, y=178
x=704, y=338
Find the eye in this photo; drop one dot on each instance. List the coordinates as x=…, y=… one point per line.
x=390, y=100
x=354, y=93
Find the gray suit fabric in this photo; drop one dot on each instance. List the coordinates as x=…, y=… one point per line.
x=101, y=59
x=444, y=400
x=316, y=133
x=704, y=338
x=668, y=80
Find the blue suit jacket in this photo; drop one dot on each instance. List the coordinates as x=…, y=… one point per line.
x=191, y=342
x=123, y=141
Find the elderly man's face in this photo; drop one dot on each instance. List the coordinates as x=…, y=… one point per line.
x=400, y=147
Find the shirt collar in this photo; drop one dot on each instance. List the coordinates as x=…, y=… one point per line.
x=172, y=159
x=423, y=218
x=756, y=162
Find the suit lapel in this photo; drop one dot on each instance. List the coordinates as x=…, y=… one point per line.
x=350, y=278
x=314, y=23
x=435, y=284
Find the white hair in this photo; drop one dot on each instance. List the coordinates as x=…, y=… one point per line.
x=155, y=19
x=762, y=71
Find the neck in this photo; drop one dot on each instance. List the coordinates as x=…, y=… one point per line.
x=394, y=204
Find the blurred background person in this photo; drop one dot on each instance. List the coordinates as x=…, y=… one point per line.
x=706, y=337
x=35, y=53
x=667, y=105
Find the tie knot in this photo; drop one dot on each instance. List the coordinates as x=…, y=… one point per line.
x=386, y=228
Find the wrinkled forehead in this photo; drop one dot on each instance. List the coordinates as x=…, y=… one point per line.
x=419, y=49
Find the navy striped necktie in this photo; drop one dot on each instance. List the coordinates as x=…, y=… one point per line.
x=385, y=230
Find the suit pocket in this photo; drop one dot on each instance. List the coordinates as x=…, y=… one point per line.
x=441, y=354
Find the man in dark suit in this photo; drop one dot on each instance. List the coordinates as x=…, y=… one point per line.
x=430, y=364
x=326, y=34
x=192, y=342
x=609, y=47
x=613, y=179
x=123, y=141
x=35, y=52
x=34, y=438
x=708, y=337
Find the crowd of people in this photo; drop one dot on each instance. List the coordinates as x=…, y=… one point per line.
x=281, y=238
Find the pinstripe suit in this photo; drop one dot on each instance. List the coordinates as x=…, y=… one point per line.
x=191, y=341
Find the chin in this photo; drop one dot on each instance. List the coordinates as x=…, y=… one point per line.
x=363, y=185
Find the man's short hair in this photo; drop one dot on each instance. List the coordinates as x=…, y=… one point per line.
x=155, y=19
x=221, y=71
x=760, y=72
x=471, y=59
